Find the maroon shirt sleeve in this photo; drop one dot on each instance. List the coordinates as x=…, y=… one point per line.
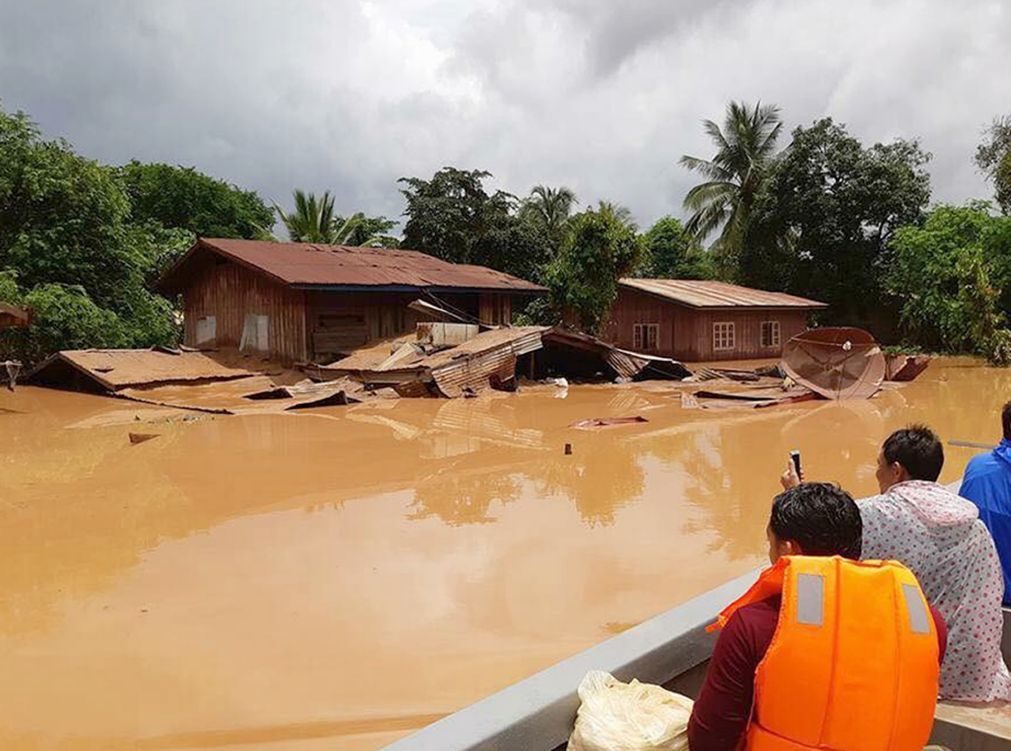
x=942, y=633
x=723, y=708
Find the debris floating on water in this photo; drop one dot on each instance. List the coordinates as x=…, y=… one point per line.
x=607, y=422
x=136, y=438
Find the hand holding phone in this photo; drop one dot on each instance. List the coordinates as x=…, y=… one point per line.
x=794, y=475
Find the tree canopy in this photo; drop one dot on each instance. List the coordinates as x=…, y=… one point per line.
x=822, y=222
x=598, y=250
x=187, y=199
x=993, y=157
x=671, y=252
x=449, y=214
x=949, y=276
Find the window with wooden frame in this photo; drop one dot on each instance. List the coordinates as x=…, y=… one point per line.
x=724, y=336
x=770, y=333
x=646, y=337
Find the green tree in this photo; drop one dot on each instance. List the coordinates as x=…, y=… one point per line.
x=993, y=157
x=549, y=209
x=359, y=229
x=67, y=238
x=187, y=199
x=449, y=214
x=947, y=276
x=823, y=220
x=312, y=221
x=744, y=146
x=671, y=252
x=597, y=252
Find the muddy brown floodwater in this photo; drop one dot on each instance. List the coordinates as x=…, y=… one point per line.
x=337, y=578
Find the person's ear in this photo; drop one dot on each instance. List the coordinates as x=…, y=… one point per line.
x=899, y=473
x=790, y=547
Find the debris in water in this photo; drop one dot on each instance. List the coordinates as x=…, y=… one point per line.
x=837, y=363
x=905, y=367
x=136, y=438
x=13, y=368
x=568, y=449
x=607, y=422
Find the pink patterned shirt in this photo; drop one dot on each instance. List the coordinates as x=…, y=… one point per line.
x=939, y=536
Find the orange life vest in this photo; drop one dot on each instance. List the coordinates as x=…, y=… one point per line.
x=853, y=665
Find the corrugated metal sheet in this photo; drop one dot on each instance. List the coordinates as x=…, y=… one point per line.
x=704, y=294
x=473, y=364
x=115, y=369
x=308, y=265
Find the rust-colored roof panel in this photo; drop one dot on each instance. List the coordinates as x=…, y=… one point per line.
x=308, y=265
x=705, y=294
x=11, y=315
x=115, y=369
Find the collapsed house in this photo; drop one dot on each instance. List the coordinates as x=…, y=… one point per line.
x=835, y=363
x=452, y=360
x=188, y=380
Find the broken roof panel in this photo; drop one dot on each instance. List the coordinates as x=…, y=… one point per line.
x=12, y=315
x=707, y=294
x=115, y=369
x=307, y=265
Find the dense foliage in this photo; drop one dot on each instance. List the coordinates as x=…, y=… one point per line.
x=994, y=157
x=70, y=249
x=825, y=215
x=450, y=214
x=184, y=198
x=598, y=250
x=670, y=251
x=948, y=275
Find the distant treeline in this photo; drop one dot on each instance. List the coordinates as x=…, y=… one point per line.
x=822, y=216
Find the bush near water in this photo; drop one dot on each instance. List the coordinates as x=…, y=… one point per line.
x=823, y=216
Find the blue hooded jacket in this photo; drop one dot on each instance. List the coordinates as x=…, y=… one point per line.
x=987, y=483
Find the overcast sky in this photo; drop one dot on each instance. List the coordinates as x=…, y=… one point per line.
x=599, y=95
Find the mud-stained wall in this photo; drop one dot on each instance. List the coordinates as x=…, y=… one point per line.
x=230, y=293
x=687, y=334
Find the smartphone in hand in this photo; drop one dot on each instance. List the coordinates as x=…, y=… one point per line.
x=795, y=458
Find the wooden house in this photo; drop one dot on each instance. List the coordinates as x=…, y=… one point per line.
x=297, y=302
x=702, y=320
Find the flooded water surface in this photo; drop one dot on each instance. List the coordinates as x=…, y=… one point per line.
x=336, y=578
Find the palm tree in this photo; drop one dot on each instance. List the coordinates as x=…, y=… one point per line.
x=312, y=221
x=550, y=209
x=620, y=214
x=745, y=145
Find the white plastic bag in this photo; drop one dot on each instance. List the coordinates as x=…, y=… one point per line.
x=616, y=716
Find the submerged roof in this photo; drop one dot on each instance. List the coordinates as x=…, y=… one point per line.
x=114, y=369
x=321, y=266
x=705, y=294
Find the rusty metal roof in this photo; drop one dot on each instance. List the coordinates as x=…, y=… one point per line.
x=318, y=266
x=11, y=315
x=114, y=369
x=706, y=294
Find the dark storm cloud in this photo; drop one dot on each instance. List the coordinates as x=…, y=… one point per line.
x=599, y=95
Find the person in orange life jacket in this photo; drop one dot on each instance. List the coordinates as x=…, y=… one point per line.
x=811, y=519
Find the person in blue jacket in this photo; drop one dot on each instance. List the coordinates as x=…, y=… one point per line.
x=987, y=483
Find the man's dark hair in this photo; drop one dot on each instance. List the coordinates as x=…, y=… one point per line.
x=820, y=517
x=917, y=449
x=1005, y=420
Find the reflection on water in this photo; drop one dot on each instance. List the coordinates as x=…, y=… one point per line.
x=335, y=578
